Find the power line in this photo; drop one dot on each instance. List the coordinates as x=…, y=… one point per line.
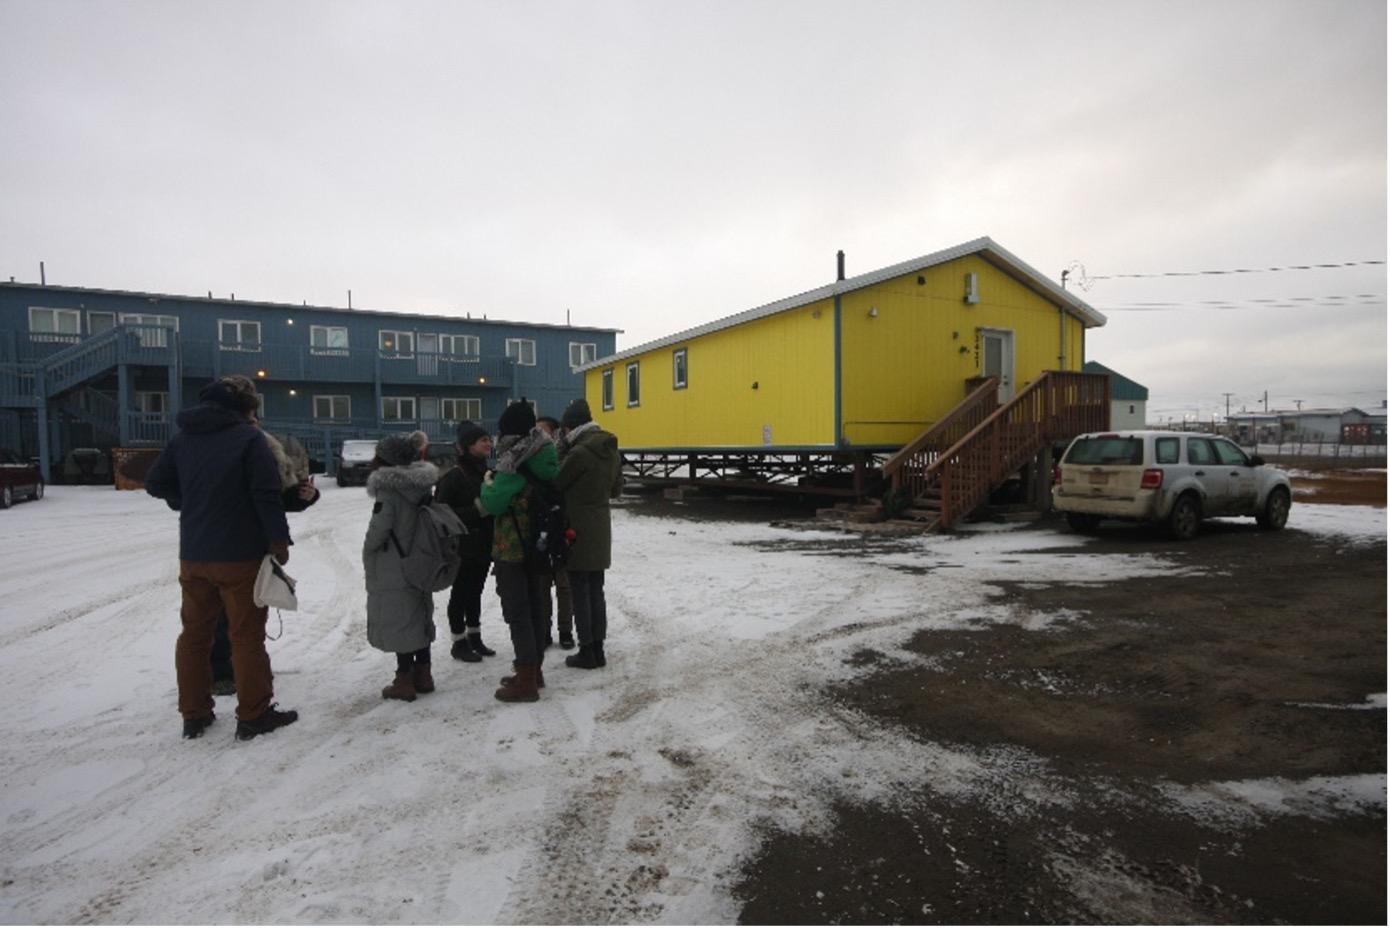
x=1333, y=301
x=1086, y=280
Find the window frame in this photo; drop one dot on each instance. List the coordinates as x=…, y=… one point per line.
x=634, y=367
x=1194, y=442
x=1241, y=460
x=519, y=356
x=680, y=368
x=397, y=352
x=606, y=388
x=470, y=403
x=151, y=339
x=1164, y=441
x=332, y=402
x=326, y=349
x=592, y=352
x=454, y=355
x=240, y=343
x=55, y=334
x=398, y=400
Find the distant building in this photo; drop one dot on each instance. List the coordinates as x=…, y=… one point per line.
x=90, y=368
x=1128, y=400
x=1349, y=425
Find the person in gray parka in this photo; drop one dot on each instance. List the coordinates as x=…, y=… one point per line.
x=400, y=619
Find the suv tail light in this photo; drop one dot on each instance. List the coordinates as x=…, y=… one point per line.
x=1152, y=479
x=1056, y=475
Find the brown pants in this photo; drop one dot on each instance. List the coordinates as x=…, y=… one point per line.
x=209, y=587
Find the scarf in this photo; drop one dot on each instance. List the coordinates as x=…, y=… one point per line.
x=515, y=450
x=573, y=435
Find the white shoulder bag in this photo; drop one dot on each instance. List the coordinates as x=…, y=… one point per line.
x=274, y=587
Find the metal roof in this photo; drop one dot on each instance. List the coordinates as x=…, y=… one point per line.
x=1121, y=387
x=986, y=247
x=297, y=307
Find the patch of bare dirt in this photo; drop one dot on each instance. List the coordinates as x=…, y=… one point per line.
x=1231, y=675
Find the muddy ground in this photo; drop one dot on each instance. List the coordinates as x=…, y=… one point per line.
x=1234, y=675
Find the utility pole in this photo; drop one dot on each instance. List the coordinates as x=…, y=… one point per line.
x=1266, y=401
x=1299, y=404
x=1228, y=403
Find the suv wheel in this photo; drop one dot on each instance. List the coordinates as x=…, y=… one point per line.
x=1276, y=512
x=38, y=490
x=6, y=498
x=1082, y=522
x=1185, y=518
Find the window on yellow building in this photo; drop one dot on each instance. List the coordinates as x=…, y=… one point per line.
x=678, y=368
x=634, y=391
x=608, y=389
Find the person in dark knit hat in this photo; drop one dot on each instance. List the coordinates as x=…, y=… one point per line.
x=400, y=618
x=590, y=474
x=522, y=449
x=459, y=489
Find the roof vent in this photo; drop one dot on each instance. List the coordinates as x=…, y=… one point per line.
x=840, y=265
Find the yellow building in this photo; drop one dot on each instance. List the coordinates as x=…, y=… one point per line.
x=866, y=363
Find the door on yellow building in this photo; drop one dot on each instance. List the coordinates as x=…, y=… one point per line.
x=997, y=359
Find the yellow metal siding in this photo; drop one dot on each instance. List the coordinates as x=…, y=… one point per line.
x=907, y=348
x=790, y=356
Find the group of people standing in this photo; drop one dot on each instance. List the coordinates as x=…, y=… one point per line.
x=232, y=484
x=573, y=458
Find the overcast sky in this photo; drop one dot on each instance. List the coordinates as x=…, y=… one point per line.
x=650, y=166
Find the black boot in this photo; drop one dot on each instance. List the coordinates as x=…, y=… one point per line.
x=598, y=654
x=584, y=659
x=475, y=638
x=193, y=728
x=566, y=639
x=462, y=650
x=266, y=722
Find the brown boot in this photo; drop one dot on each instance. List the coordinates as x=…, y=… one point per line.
x=520, y=687
x=423, y=679
x=402, y=688
x=540, y=677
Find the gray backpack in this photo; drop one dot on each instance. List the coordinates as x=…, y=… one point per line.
x=433, y=559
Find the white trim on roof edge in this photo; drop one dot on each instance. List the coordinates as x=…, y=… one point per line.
x=1002, y=258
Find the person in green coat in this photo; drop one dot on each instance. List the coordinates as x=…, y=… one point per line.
x=590, y=475
x=522, y=449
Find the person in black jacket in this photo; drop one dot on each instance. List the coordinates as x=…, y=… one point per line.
x=221, y=475
x=459, y=489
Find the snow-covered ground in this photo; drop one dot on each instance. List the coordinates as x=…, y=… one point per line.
x=629, y=794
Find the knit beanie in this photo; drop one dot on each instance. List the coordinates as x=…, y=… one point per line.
x=470, y=432
x=397, y=450
x=576, y=414
x=233, y=392
x=518, y=419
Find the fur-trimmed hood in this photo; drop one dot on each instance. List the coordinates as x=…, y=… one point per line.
x=290, y=457
x=412, y=481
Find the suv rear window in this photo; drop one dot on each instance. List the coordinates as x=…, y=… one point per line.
x=1165, y=451
x=1106, y=451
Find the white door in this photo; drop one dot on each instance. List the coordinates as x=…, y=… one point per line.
x=429, y=413
x=428, y=359
x=997, y=350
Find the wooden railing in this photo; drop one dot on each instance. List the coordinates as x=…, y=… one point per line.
x=1056, y=406
x=907, y=468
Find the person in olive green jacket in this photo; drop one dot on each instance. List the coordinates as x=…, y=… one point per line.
x=590, y=475
x=507, y=496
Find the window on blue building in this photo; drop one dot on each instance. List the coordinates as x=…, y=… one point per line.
x=523, y=350
x=459, y=347
x=582, y=353
x=333, y=408
x=328, y=339
x=395, y=344
x=398, y=408
x=54, y=324
x=238, y=335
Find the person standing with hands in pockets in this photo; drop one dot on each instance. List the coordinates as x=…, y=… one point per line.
x=590, y=475
x=221, y=475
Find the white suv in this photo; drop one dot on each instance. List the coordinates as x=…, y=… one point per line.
x=1179, y=478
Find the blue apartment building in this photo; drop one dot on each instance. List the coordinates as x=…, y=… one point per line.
x=92, y=368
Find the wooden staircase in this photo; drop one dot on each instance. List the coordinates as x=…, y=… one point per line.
x=952, y=468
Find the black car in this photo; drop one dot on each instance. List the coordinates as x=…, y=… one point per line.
x=19, y=479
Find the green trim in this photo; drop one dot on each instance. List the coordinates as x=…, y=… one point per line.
x=839, y=438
